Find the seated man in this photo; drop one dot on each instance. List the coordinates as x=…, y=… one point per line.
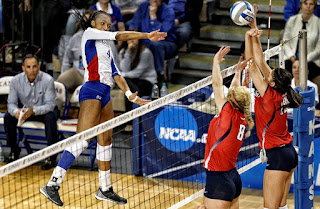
x=34, y=90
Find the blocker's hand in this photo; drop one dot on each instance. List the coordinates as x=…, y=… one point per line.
x=156, y=35
x=219, y=57
x=242, y=65
x=253, y=23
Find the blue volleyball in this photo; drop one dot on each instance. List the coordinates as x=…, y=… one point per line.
x=242, y=13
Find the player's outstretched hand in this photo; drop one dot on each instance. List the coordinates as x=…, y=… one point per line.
x=253, y=23
x=157, y=35
x=141, y=101
x=136, y=99
x=242, y=65
x=219, y=57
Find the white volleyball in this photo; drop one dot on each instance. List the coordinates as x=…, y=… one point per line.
x=242, y=13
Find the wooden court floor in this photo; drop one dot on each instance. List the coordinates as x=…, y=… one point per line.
x=20, y=190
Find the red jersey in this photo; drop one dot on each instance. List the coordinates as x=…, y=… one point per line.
x=225, y=135
x=271, y=121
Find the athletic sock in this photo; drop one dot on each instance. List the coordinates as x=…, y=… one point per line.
x=104, y=180
x=65, y=162
x=57, y=176
x=284, y=207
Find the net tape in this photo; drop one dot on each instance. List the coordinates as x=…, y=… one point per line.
x=96, y=130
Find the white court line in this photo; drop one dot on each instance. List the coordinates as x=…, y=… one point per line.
x=175, y=168
x=200, y=193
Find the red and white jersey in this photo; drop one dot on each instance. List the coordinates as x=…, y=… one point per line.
x=97, y=56
x=225, y=136
x=271, y=121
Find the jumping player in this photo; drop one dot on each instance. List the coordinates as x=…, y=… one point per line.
x=274, y=94
x=225, y=136
x=95, y=104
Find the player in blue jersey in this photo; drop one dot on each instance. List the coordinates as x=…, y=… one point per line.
x=95, y=104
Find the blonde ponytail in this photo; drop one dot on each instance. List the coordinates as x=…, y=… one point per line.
x=242, y=97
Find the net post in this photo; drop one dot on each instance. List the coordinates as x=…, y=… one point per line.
x=303, y=130
x=303, y=60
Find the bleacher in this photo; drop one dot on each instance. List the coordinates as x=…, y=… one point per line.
x=219, y=30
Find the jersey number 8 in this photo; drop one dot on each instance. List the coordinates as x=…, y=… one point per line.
x=241, y=132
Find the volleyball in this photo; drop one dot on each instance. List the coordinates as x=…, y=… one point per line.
x=242, y=13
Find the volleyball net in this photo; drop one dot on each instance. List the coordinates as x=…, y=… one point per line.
x=157, y=165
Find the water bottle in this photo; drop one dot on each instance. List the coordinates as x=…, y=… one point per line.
x=155, y=92
x=1, y=153
x=164, y=90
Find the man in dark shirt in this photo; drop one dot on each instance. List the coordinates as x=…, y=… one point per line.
x=34, y=90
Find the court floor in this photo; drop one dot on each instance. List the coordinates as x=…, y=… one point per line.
x=20, y=190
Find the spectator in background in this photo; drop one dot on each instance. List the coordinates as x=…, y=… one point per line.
x=181, y=22
x=306, y=20
x=137, y=67
x=117, y=23
x=128, y=8
x=292, y=7
x=34, y=90
x=153, y=15
x=296, y=82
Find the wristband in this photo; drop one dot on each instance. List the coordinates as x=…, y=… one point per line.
x=128, y=94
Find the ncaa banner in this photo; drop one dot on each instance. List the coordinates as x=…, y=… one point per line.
x=173, y=143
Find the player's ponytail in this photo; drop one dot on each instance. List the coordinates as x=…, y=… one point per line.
x=239, y=97
x=282, y=79
x=84, y=21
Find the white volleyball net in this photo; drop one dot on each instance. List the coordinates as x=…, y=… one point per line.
x=157, y=165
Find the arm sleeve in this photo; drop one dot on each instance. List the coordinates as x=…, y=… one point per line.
x=290, y=9
x=13, y=98
x=95, y=34
x=49, y=101
x=142, y=67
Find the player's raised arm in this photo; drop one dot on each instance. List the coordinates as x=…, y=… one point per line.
x=240, y=67
x=129, y=35
x=217, y=81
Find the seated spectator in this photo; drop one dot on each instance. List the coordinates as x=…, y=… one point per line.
x=72, y=69
x=153, y=15
x=34, y=90
x=296, y=82
x=292, y=7
x=117, y=23
x=137, y=67
x=306, y=20
x=181, y=22
x=128, y=8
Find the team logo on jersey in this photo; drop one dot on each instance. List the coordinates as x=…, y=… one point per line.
x=176, y=128
x=256, y=94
